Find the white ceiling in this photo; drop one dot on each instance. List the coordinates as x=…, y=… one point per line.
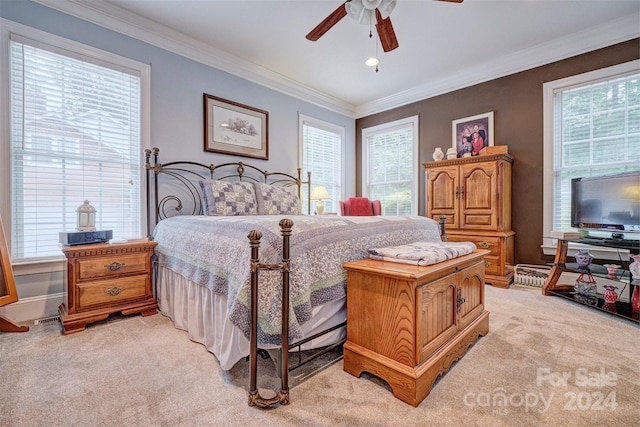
x=443, y=46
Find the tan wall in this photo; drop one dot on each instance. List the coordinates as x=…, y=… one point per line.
x=516, y=101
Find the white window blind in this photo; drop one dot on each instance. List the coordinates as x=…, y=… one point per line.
x=322, y=156
x=596, y=132
x=390, y=166
x=75, y=136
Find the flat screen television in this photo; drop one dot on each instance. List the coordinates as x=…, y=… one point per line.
x=606, y=203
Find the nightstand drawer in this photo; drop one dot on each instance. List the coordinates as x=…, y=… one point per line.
x=112, y=266
x=111, y=291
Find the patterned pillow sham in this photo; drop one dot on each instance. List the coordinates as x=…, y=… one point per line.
x=276, y=200
x=228, y=198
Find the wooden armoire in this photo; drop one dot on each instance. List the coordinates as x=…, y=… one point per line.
x=474, y=194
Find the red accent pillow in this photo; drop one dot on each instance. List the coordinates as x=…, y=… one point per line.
x=360, y=206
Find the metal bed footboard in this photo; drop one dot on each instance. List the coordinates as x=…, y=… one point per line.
x=281, y=397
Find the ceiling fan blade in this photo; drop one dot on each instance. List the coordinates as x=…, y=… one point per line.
x=452, y=1
x=328, y=22
x=387, y=36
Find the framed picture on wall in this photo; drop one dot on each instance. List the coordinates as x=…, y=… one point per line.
x=471, y=134
x=236, y=129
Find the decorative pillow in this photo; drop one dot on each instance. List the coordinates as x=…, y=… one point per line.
x=275, y=200
x=228, y=198
x=360, y=206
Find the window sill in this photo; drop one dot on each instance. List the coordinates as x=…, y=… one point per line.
x=38, y=267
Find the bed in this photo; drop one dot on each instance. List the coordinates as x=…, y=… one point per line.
x=203, y=255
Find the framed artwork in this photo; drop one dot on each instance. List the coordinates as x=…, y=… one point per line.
x=471, y=134
x=236, y=129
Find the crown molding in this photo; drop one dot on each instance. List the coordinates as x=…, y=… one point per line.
x=116, y=19
x=574, y=44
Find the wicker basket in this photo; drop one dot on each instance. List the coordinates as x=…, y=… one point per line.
x=531, y=275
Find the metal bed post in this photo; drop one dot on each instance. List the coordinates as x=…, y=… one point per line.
x=147, y=165
x=155, y=168
x=442, y=224
x=281, y=397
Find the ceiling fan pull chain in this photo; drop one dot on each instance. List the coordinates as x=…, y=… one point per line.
x=377, y=57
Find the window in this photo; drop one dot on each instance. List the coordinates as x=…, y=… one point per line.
x=592, y=128
x=76, y=134
x=390, y=166
x=322, y=155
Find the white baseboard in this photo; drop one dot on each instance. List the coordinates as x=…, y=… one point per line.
x=29, y=309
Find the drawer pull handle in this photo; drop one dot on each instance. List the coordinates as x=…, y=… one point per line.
x=115, y=266
x=485, y=245
x=488, y=264
x=114, y=291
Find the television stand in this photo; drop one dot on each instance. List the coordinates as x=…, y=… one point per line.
x=610, y=242
x=552, y=287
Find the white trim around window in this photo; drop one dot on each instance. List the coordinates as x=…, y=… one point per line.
x=549, y=90
x=10, y=30
x=325, y=161
x=409, y=123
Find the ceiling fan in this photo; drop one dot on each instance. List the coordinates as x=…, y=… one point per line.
x=363, y=12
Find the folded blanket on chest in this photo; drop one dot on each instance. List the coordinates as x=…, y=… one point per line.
x=422, y=253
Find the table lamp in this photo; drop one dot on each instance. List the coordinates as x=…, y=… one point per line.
x=319, y=194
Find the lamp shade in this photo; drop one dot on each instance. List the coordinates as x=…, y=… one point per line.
x=319, y=193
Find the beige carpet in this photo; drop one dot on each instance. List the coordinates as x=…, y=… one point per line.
x=555, y=362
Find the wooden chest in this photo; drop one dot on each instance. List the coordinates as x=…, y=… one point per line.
x=407, y=324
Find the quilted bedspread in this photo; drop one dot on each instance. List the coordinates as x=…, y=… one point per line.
x=214, y=251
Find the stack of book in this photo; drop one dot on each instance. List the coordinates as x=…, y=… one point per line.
x=565, y=235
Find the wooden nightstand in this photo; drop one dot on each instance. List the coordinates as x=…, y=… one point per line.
x=107, y=278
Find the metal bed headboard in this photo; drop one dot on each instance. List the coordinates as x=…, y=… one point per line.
x=182, y=194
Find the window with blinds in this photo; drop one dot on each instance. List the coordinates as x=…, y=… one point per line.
x=75, y=136
x=596, y=128
x=390, y=166
x=322, y=147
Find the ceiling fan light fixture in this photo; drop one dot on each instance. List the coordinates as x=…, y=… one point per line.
x=358, y=12
x=372, y=61
x=357, y=9
x=371, y=4
x=386, y=7
x=354, y=10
